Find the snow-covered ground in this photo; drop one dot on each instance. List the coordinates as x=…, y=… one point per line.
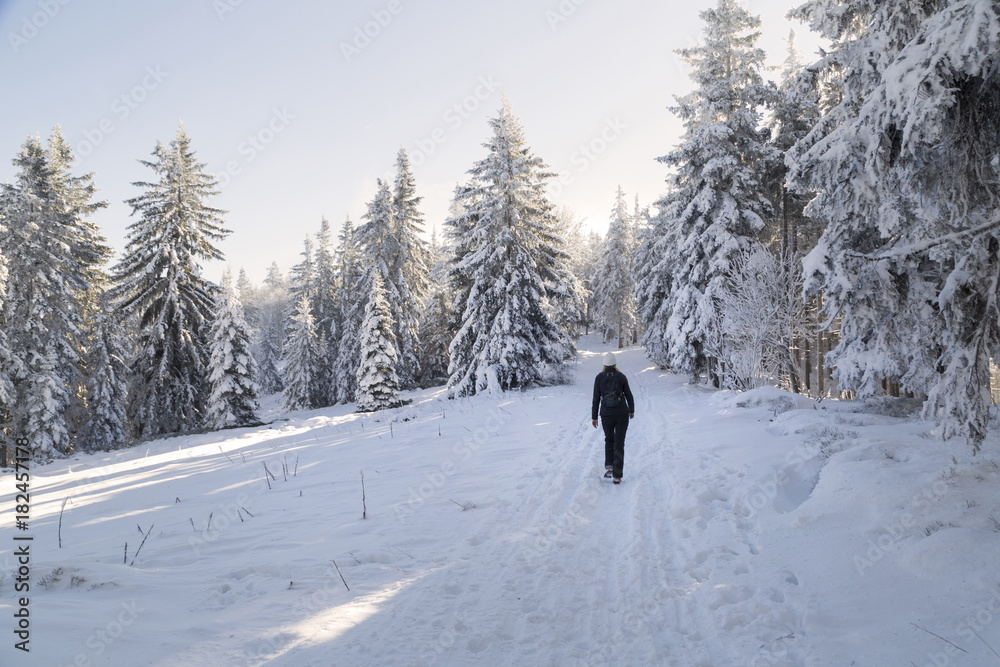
x=753, y=529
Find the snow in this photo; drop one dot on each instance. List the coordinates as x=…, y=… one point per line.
x=750, y=529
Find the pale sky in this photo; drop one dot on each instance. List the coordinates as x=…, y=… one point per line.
x=299, y=106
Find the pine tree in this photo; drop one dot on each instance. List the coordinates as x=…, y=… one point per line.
x=272, y=302
x=614, y=283
x=232, y=369
x=8, y=362
x=159, y=283
x=53, y=256
x=904, y=165
x=436, y=319
x=715, y=205
x=302, y=355
x=409, y=268
x=348, y=291
x=246, y=292
x=377, y=381
x=107, y=383
x=506, y=338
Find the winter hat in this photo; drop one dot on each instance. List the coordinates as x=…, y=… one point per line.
x=609, y=359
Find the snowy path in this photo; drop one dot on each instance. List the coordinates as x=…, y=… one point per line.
x=567, y=569
x=756, y=529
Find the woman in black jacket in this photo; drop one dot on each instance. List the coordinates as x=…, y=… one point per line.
x=614, y=398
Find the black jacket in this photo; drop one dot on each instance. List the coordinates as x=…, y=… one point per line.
x=626, y=408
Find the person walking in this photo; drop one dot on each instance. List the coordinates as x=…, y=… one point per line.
x=613, y=399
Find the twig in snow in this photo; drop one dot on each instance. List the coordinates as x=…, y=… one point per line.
x=226, y=455
x=246, y=510
x=269, y=472
x=243, y=456
x=208, y=525
x=125, y=558
x=354, y=557
x=296, y=473
x=140, y=546
x=192, y=524
x=390, y=430
x=364, y=506
x=341, y=575
x=984, y=641
x=939, y=637
x=284, y=468
x=65, y=500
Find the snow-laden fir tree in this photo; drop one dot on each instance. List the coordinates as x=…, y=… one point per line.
x=272, y=304
x=907, y=172
x=107, y=380
x=159, y=283
x=349, y=270
x=715, y=204
x=513, y=264
x=54, y=255
x=614, y=277
x=303, y=277
x=232, y=376
x=436, y=319
x=302, y=355
x=246, y=292
x=567, y=301
x=409, y=267
x=375, y=241
x=7, y=359
x=377, y=380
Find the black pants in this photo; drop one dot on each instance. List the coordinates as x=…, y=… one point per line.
x=614, y=442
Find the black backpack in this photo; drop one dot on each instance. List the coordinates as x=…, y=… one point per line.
x=611, y=390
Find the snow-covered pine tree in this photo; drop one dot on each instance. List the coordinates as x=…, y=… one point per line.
x=567, y=300
x=511, y=260
x=908, y=177
x=272, y=304
x=54, y=256
x=159, y=283
x=376, y=241
x=303, y=277
x=409, y=270
x=246, y=292
x=302, y=355
x=8, y=363
x=349, y=270
x=715, y=205
x=435, y=321
x=377, y=381
x=232, y=375
x=614, y=280
x=107, y=382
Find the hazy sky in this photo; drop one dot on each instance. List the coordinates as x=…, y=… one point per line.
x=298, y=107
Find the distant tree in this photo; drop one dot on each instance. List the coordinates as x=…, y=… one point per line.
x=302, y=356
x=614, y=281
x=272, y=304
x=107, y=382
x=159, y=282
x=232, y=369
x=378, y=383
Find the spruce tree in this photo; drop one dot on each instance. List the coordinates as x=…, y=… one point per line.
x=614, y=280
x=54, y=255
x=159, y=282
x=348, y=296
x=232, y=376
x=108, y=375
x=272, y=300
x=302, y=356
x=377, y=380
x=512, y=260
x=716, y=204
x=409, y=266
x=904, y=165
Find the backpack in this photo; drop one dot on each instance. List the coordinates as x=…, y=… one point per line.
x=611, y=390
